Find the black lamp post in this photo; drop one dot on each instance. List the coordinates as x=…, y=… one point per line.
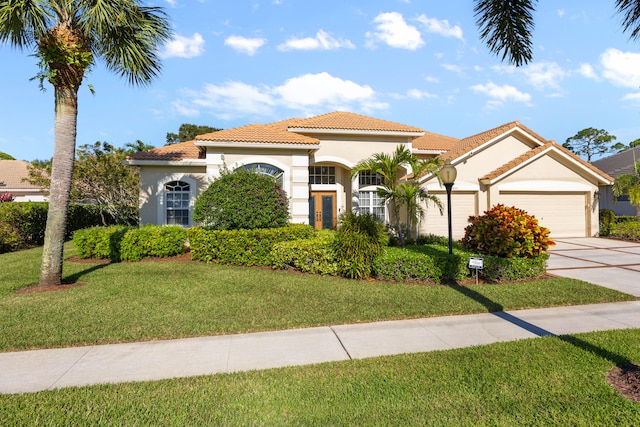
x=448, y=175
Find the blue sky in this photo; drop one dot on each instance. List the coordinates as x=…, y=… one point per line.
x=420, y=63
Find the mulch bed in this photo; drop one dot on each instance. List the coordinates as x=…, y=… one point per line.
x=626, y=379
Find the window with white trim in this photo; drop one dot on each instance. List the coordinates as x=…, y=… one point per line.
x=371, y=203
x=177, y=196
x=266, y=169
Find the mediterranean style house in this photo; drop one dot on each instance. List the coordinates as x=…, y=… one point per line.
x=12, y=176
x=621, y=163
x=312, y=158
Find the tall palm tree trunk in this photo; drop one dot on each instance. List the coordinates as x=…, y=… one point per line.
x=66, y=115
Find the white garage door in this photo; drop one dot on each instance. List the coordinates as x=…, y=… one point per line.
x=463, y=205
x=564, y=214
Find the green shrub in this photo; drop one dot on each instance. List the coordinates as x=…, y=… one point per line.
x=506, y=232
x=607, y=218
x=100, y=242
x=242, y=199
x=402, y=265
x=498, y=268
x=359, y=239
x=315, y=255
x=29, y=220
x=627, y=230
x=10, y=237
x=625, y=218
x=242, y=247
x=153, y=241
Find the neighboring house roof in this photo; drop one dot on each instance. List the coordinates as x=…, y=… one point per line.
x=620, y=163
x=345, y=121
x=434, y=142
x=12, y=173
x=173, y=152
x=257, y=134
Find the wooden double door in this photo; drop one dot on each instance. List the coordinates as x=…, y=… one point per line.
x=322, y=210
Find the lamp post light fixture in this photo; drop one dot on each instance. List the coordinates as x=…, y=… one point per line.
x=448, y=175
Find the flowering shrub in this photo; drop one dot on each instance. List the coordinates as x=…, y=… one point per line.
x=506, y=232
x=6, y=197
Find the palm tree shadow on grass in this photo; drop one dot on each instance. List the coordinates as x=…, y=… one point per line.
x=625, y=377
x=74, y=278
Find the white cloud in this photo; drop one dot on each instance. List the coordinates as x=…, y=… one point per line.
x=501, y=94
x=245, y=45
x=184, y=47
x=441, y=27
x=431, y=79
x=632, y=97
x=413, y=94
x=393, y=30
x=543, y=75
x=311, y=91
x=560, y=12
x=540, y=75
x=621, y=68
x=308, y=93
x=453, y=68
x=322, y=41
x=587, y=71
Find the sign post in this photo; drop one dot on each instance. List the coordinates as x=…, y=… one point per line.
x=476, y=264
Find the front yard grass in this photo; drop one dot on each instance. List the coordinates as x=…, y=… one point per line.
x=171, y=299
x=543, y=381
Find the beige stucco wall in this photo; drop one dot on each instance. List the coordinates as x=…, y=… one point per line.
x=152, y=180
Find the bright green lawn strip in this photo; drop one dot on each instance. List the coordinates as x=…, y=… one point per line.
x=545, y=381
x=160, y=300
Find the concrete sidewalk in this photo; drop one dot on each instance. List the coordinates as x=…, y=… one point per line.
x=31, y=371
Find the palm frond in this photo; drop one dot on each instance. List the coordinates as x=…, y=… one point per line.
x=22, y=22
x=506, y=26
x=630, y=11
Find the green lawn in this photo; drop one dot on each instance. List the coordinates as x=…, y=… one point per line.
x=544, y=381
x=160, y=300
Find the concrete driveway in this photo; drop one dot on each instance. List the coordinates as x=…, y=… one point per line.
x=610, y=263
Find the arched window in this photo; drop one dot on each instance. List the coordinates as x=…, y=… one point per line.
x=267, y=169
x=177, y=196
x=369, y=201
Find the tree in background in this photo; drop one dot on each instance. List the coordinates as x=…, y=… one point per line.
x=99, y=177
x=68, y=37
x=592, y=142
x=506, y=26
x=5, y=156
x=136, y=147
x=188, y=132
x=629, y=184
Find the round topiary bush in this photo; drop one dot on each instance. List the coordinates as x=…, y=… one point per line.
x=242, y=199
x=506, y=232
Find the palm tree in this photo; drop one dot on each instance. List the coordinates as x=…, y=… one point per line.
x=629, y=184
x=389, y=167
x=506, y=26
x=136, y=147
x=411, y=194
x=68, y=36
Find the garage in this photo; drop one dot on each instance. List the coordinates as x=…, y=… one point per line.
x=565, y=214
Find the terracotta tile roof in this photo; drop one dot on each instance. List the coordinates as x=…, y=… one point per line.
x=11, y=174
x=267, y=134
x=351, y=121
x=433, y=141
x=472, y=142
x=534, y=152
x=173, y=152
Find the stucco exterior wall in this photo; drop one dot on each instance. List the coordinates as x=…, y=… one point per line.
x=152, y=180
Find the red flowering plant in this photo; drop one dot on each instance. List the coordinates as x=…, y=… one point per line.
x=506, y=232
x=6, y=197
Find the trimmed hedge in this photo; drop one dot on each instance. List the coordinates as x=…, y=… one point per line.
x=100, y=242
x=153, y=241
x=315, y=255
x=607, y=219
x=433, y=263
x=242, y=247
x=627, y=230
x=27, y=222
